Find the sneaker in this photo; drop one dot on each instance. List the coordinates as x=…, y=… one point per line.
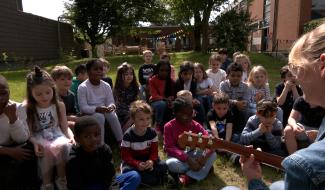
x=211, y=171
x=48, y=186
x=184, y=180
x=61, y=183
x=115, y=185
x=170, y=182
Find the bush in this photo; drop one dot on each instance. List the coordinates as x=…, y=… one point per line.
x=311, y=25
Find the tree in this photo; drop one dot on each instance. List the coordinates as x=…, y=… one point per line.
x=198, y=10
x=96, y=20
x=232, y=29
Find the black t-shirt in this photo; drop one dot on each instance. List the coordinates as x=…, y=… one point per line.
x=85, y=169
x=109, y=81
x=70, y=103
x=288, y=104
x=220, y=122
x=311, y=117
x=145, y=71
x=225, y=64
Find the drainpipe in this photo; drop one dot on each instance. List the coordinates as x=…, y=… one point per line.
x=59, y=37
x=275, y=24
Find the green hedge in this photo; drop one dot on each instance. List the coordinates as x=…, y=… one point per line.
x=311, y=25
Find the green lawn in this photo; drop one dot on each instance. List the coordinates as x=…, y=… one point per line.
x=224, y=172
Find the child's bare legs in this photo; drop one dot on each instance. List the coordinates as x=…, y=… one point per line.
x=61, y=181
x=47, y=165
x=60, y=168
x=290, y=139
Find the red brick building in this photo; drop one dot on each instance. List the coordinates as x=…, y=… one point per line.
x=278, y=23
x=26, y=37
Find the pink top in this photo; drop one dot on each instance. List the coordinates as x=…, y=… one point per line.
x=172, y=130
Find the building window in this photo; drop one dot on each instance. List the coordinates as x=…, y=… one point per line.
x=318, y=9
x=266, y=13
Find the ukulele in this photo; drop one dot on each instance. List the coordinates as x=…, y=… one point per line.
x=191, y=141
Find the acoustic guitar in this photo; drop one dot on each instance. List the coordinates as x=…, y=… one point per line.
x=191, y=141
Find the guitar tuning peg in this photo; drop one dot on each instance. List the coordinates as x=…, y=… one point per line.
x=210, y=140
x=187, y=149
x=204, y=152
x=199, y=135
x=189, y=137
x=197, y=150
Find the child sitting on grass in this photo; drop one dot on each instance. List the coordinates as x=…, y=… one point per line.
x=125, y=92
x=106, y=67
x=287, y=92
x=146, y=70
x=204, y=87
x=62, y=77
x=303, y=124
x=187, y=95
x=49, y=131
x=17, y=159
x=90, y=166
x=263, y=130
x=246, y=64
x=139, y=148
x=186, y=81
x=215, y=72
x=80, y=75
x=239, y=97
x=220, y=117
x=162, y=92
x=95, y=98
x=188, y=165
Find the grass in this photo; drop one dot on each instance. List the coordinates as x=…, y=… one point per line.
x=225, y=173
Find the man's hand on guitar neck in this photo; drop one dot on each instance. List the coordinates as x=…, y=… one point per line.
x=250, y=167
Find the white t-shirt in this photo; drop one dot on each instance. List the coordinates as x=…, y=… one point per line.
x=216, y=77
x=91, y=96
x=205, y=84
x=14, y=133
x=244, y=77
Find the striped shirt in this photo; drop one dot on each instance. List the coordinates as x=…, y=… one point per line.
x=136, y=149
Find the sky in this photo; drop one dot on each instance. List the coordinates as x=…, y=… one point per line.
x=51, y=9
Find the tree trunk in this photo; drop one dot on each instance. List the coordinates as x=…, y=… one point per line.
x=205, y=37
x=197, y=38
x=205, y=26
x=197, y=32
x=94, y=51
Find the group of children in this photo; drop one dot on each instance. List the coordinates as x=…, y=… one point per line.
x=63, y=121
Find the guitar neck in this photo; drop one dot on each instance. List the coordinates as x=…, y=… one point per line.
x=192, y=140
x=264, y=157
